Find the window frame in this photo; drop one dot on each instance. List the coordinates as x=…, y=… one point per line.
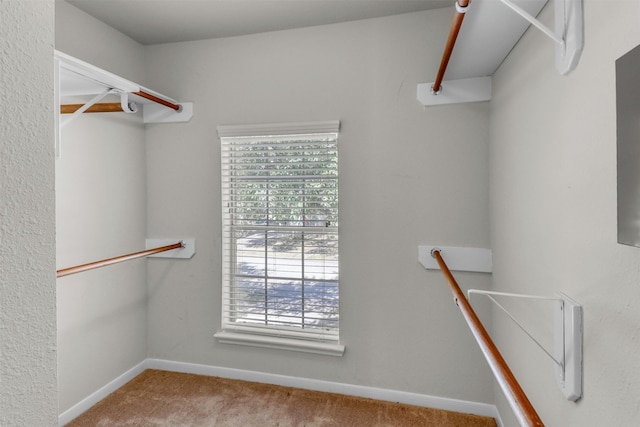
x=270, y=337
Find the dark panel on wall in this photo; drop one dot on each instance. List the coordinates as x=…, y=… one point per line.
x=628, y=125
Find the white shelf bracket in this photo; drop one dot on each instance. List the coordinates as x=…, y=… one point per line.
x=567, y=354
x=458, y=258
x=86, y=106
x=156, y=113
x=187, y=251
x=475, y=89
x=74, y=77
x=569, y=33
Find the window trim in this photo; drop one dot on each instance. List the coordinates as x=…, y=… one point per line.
x=268, y=129
x=266, y=341
x=237, y=334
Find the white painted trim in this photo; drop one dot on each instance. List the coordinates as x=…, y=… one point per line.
x=468, y=407
x=95, y=397
x=98, y=75
x=457, y=258
x=280, y=343
x=226, y=131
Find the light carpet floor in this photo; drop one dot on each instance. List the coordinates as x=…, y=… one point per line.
x=169, y=399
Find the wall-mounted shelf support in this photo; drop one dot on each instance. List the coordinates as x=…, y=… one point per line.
x=86, y=106
x=458, y=258
x=76, y=78
x=156, y=113
x=532, y=20
x=187, y=250
x=567, y=353
x=569, y=33
x=458, y=91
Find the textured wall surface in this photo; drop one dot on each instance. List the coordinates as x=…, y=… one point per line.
x=397, y=191
x=553, y=192
x=28, y=393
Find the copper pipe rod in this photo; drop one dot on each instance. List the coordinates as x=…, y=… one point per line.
x=154, y=98
x=451, y=41
x=104, y=107
x=115, y=260
x=520, y=404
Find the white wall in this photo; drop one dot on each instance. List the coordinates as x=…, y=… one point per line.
x=27, y=219
x=553, y=214
x=100, y=213
x=409, y=176
x=81, y=35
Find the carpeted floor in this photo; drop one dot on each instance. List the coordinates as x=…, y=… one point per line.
x=170, y=399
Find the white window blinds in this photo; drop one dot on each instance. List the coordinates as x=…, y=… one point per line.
x=280, y=230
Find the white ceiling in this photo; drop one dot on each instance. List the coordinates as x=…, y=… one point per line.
x=166, y=21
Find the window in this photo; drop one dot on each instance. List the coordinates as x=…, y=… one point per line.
x=280, y=236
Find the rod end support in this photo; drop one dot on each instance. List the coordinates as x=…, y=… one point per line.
x=460, y=8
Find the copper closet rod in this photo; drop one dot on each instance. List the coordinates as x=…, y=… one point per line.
x=115, y=260
x=103, y=107
x=520, y=404
x=451, y=41
x=115, y=107
x=161, y=101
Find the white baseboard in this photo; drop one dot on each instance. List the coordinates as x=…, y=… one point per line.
x=476, y=408
x=95, y=397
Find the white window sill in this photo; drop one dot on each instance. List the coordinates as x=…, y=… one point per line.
x=328, y=349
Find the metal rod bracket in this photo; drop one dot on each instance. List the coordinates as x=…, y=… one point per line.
x=127, y=107
x=567, y=353
x=569, y=31
x=86, y=106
